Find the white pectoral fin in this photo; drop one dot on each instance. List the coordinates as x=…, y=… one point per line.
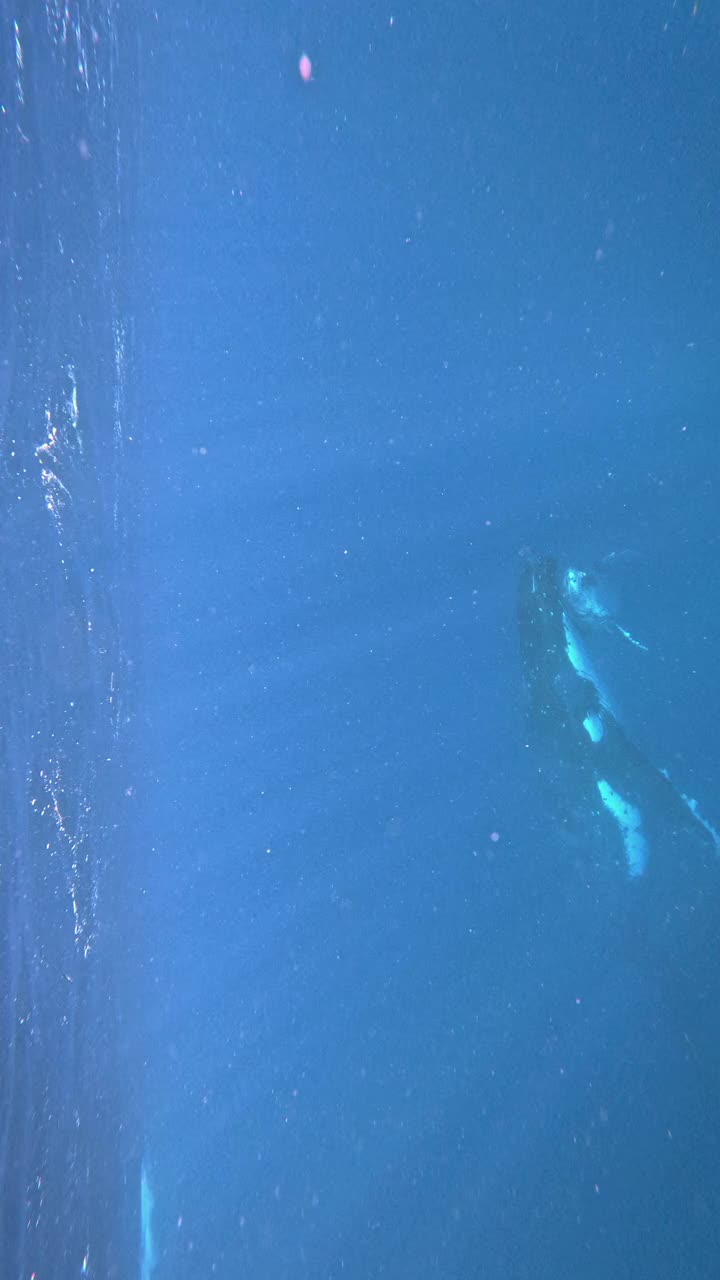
x=629, y=820
x=630, y=638
x=147, y=1242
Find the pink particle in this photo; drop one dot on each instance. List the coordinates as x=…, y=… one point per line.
x=494, y=836
x=305, y=68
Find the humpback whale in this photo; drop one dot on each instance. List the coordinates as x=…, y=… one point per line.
x=648, y=857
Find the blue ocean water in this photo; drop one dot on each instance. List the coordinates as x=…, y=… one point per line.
x=449, y=304
x=71, y=1121
x=453, y=299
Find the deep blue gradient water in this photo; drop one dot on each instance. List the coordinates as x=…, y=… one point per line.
x=449, y=304
x=71, y=1130
x=455, y=298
